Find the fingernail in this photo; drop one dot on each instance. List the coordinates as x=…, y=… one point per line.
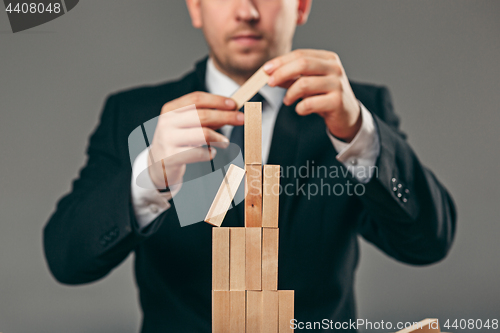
x=224, y=139
x=268, y=66
x=240, y=116
x=270, y=81
x=230, y=103
x=213, y=152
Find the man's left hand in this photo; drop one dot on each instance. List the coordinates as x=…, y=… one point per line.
x=319, y=78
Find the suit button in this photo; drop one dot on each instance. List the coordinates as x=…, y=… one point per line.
x=399, y=195
x=395, y=189
x=405, y=200
x=393, y=180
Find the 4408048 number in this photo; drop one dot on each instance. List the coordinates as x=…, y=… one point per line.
x=34, y=8
x=472, y=324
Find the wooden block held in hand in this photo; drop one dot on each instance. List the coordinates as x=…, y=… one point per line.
x=270, y=311
x=225, y=195
x=253, y=196
x=286, y=310
x=253, y=133
x=220, y=258
x=270, y=240
x=250, y=87
x=237, y=312
x=253, y=244
x=237, y=258
x=270, y=197
x=254, y=312
x=429, y=325
x=220, y=311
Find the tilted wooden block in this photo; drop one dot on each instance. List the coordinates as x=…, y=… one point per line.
x=250, y=87
x=270, y=197
x=237, y=312
x=428, y=325
x=253, y=244
x=254, y=312
x=237, y=258
x=220, y=311
x=270, y=240
x=286, y=310
x=253, y=133
x=270, y=311
x=253, y=196
x=220, y=258
x=225, y=195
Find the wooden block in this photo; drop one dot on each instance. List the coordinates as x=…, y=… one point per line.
x=270, y=198
x=253, y=196
x=270, y=311
x=250, y=87
x=237, y=258
x=253, y=245
x=254, y=312
x=285, y=310
x=253, y=133
x=220, y=311
x=220, y=258
x=429, y=325
x=225, y=195
x=270, y=240
x=237, y=312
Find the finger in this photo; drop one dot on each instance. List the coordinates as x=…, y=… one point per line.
x=289, y=83
x=191, y=155
x=201, y=100
x=320, y=104
x=272, y=65
x=309, y=86
x=213, y=119
x=302, y=67
x=196, y=136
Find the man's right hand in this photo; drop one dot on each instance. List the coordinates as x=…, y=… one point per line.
x=177, y=141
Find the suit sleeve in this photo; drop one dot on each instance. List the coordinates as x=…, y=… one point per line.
x=93, y=228
x=407, y=212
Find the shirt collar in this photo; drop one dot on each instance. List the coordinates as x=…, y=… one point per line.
x=218, y=83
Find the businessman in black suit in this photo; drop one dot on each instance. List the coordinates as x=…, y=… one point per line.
x=312, y=116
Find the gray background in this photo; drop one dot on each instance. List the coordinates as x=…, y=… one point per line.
x=440, y=59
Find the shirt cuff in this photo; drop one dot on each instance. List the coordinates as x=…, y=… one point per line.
x=147, y=201
x=360, y=155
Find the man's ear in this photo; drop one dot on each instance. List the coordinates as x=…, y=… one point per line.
x=303, y=10
x=194, y=8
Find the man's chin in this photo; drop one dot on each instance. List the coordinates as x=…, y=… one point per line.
x=247, y=63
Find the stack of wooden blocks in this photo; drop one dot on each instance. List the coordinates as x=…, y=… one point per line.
x=245, y=296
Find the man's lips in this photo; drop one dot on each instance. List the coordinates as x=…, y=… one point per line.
x=246, y=39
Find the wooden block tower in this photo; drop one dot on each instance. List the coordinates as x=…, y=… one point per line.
x=245, y=295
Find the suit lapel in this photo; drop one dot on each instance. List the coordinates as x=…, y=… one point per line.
x=298, y=141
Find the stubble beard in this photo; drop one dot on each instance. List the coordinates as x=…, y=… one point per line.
x=239, y=67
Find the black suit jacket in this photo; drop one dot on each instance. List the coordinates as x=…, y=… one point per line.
x=93, y=228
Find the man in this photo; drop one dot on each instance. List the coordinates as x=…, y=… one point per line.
x=312, y=116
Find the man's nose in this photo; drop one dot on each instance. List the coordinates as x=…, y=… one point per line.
x=246, y=10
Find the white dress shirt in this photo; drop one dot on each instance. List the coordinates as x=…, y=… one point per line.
x=359, y=156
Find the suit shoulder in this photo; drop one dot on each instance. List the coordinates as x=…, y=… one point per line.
x=374, y=97
x=154, y=93
x=367, y=90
